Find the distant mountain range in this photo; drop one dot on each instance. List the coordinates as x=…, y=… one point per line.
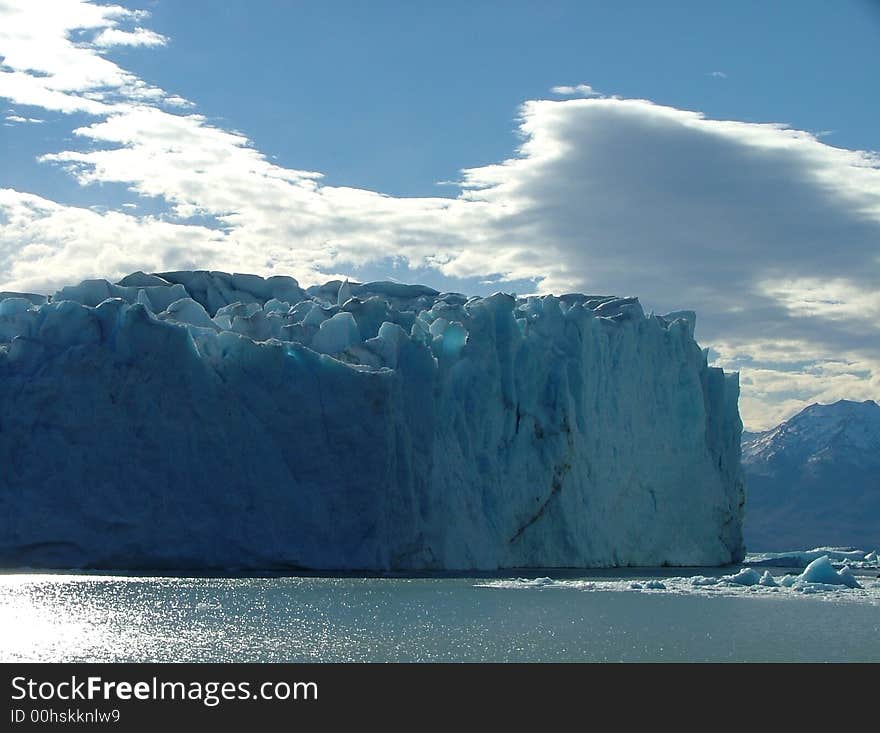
x=815, y=479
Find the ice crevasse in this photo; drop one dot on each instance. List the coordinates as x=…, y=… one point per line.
x=202, y=420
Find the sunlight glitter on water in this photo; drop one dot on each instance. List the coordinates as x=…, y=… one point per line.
x=45, y=617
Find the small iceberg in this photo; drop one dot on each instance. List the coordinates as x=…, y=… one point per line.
x=768, y=580
x=821, y=572
x=802, y=558
x=746, y=576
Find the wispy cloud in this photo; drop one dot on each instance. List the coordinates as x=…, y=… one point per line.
x=174, y=101
x=717, y=74
x=138, y=37
x=581, y=90
x=771, y=235
x=24, y=120
x=49, y=63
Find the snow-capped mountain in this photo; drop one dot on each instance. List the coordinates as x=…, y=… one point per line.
x=815, y=479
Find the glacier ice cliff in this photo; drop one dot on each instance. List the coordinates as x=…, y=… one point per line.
x=201, y=420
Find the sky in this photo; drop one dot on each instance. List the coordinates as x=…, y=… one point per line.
x=718, y=157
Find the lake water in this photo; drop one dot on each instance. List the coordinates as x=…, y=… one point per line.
x=598, y=616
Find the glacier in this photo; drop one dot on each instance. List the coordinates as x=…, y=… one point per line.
x=205, y=420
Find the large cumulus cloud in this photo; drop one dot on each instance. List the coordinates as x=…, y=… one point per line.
x=770, y=234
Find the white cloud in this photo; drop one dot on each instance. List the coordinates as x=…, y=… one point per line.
x=175, y=101
x=771, y=235
x=137, y=37
x=46, y=63
x=43, y=244
x=771, y=395
x=34, y=91
x=24, y=120
x=717, y=74
x=835, y=299
x=581, y=90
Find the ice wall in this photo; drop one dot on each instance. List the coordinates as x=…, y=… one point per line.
x=206, y=420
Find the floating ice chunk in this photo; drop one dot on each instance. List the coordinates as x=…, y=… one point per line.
x=703, y=580
x=802, y=558
x=822, y=572
x=837, y=553
x=768, y=580
x=336, y=334
x=522, y=583
x=655, y=585
x=746, y=576
x=848, y=579
x=537, y=582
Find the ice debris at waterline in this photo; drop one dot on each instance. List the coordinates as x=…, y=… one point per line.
x=206, y=420
x=818, y=579
x=802, y=558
